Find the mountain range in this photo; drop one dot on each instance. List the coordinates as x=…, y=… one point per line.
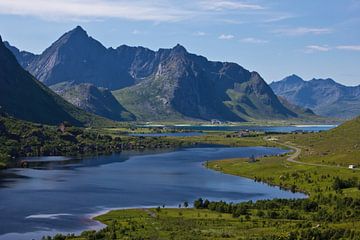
x=324, y=96
x=23, y=97
x=168, y=84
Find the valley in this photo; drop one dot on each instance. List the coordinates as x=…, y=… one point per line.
x=159, y=120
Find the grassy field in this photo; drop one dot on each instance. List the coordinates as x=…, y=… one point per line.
x=332, y=210
x=205, y=224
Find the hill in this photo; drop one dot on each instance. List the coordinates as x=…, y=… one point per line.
x=166, y=84
x=339, y=146
x=92, y=99
x=23, y=97
x=324, y=96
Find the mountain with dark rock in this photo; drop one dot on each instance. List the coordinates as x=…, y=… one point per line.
x=184, y=85
x=159, y=85
x=24, y=58
x=324, y=96
x=90, y=98
x=23, y=97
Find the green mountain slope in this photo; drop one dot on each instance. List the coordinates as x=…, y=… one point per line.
x=167, y=84
x=339, y=146
x=88, y=97
x=187, y=86
x=23, y=97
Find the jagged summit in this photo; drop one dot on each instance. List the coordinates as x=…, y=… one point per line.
x=165, y=84
x=293, y=79
x=324, y=96
x=179, y=48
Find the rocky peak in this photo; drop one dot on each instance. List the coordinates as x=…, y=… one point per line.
x=179, y=49
x=293, y=79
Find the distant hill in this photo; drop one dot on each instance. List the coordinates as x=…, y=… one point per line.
x=324, y=96
x=92, y=99
x=168, y=84
x=23, y=97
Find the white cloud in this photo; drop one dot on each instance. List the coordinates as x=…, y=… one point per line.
x=93, y=9
x=278, y=18
x=303, y=31
x=349, y=47
x=136, y=32
x=219, y=5
x=253, y=40
x=226, y=36
x=317, y=48
x=199, y=34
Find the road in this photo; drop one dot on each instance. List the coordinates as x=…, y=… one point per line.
x=297, y=151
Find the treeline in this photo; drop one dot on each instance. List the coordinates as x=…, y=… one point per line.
x=340, y=184
x=273, y=209
x=321, y=209
x=20, y=139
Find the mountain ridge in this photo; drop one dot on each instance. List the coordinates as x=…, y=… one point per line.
x=324, y=96
x=23, y=97
x=164, y=84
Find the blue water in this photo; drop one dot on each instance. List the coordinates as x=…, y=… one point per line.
x=170, y=134
x=60, y=196
x=279, y=129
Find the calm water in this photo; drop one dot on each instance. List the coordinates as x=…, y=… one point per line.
x=61, y=196
x=170, y=134
x=280, y=129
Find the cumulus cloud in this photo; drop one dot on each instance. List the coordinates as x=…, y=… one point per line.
x=317, y=48
x=226, y=36
x=253, y=40
x=199, y=34
x=349, y=47
x=90, y=9
x=219, y=5
x=303, y=31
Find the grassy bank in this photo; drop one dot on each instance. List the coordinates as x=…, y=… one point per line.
x=317, y=167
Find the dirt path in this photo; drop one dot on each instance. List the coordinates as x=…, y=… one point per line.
x=297, y=151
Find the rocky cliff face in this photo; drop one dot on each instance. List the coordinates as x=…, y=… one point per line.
x=163, y=84
x=92, y=99
x=23, y=97
x=324, y=96
x=185, y=85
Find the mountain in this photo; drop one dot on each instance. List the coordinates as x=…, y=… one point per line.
x=23, y=97
x=159, y=85
x=92, y=99
x=324, y=96
x=76, y=57
x=24, y=58
x=184, y=85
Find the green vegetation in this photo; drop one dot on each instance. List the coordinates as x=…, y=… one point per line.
x=263, y=220
x=332, y=210
x=19, y=138
x=24, y=97
x=339, y=146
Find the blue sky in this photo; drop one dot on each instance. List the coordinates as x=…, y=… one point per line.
x=311, y=38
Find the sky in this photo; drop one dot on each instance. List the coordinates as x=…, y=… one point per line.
x=310, y=38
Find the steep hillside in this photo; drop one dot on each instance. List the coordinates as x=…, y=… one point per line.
x=185, y=85
x=167, y=84
x=324, y=96
x=22, y=96
x=99, y=101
